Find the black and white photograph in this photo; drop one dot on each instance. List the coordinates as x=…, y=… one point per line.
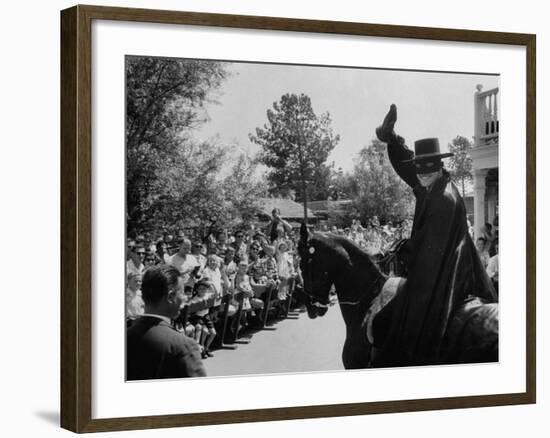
x=275, y=219
x=287, y=218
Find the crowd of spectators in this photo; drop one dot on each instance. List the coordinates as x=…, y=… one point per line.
x=375, y=238
x=233, y=279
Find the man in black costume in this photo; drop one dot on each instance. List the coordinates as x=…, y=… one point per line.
x=444, y=269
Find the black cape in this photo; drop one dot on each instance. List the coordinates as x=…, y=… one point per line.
x=444, y=269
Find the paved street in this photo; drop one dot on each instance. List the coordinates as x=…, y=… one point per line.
x=295, y=344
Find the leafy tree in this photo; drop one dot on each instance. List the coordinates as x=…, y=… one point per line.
x=378, y=189
x=243, y=188
x=342, y=186
x=165, y=170
x=166, y=96
x=461, y=163
x=320, y=187
x=184, y=191
x=295, y=145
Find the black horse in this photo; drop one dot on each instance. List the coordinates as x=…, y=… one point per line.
x=328, y=260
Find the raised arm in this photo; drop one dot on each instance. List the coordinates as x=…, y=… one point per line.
x=398, y=152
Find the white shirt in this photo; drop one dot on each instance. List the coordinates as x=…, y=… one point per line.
x=485, y=257
x=164, y=318
x=184, y=264
x=134, y=303
x=215, y=277
x=131, y=268
x=492, y=267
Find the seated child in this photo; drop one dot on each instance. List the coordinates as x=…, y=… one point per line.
x=188, y=329
x=213, y=274
x=270, y=263
x=204, y=327
x=243, y=286
x=285, y=265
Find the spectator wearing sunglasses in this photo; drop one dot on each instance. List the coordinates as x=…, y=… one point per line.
x=162, y=252
x=240, y=246
x=137, y=257
x=196, y=251
x=130, y=245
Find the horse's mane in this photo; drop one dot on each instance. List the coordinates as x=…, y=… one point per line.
x=356, y=254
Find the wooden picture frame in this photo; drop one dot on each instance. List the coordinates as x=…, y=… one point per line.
x=76, y=217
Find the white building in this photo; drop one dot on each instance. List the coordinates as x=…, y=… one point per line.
x=484, y=156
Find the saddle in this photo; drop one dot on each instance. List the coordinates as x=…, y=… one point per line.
x=392, y=262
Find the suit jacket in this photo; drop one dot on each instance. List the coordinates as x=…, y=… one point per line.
x=443, y=270
x=155, y=350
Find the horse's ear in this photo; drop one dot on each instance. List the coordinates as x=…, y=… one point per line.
x=304, y=233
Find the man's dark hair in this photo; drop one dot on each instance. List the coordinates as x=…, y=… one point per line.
x=157, y=281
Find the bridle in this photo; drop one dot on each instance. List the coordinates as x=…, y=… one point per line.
x=309, y=251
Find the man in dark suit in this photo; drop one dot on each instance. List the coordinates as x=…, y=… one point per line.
x=154, y=349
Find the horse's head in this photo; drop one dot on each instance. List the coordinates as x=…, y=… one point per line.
x=327, y=260
x=315, y=264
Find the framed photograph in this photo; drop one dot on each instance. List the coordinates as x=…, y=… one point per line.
x=269, y=219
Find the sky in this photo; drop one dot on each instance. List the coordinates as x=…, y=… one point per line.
x=429, y=104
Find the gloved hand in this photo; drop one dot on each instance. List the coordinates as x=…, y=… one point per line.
x=385, y=132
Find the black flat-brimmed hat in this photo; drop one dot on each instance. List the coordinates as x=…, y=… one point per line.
x=427, y=149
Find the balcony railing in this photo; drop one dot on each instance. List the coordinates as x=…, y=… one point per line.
x=486, y=116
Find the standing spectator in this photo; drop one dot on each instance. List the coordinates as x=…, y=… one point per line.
x=229, y=264
x=171, y=245
x=481, y=246
x=243, y=286
x=155, y=349
x=134, y=302
x=186, y=263
x=261, y=284
x=270, y=263
x=214, y=250
x=285, y=270
x=130, y=244
x=135, y=264
x=488, y=235
x=229, y=270
x=281, y=237
x=150, y=260
x=276, y=225
x=493, y=248
x=197, y=252
x=204, y=327
x=180, y=237
x=222, y=242
x=162, y=252
x=241, y=249
x=492, y=267
x=212, y=273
